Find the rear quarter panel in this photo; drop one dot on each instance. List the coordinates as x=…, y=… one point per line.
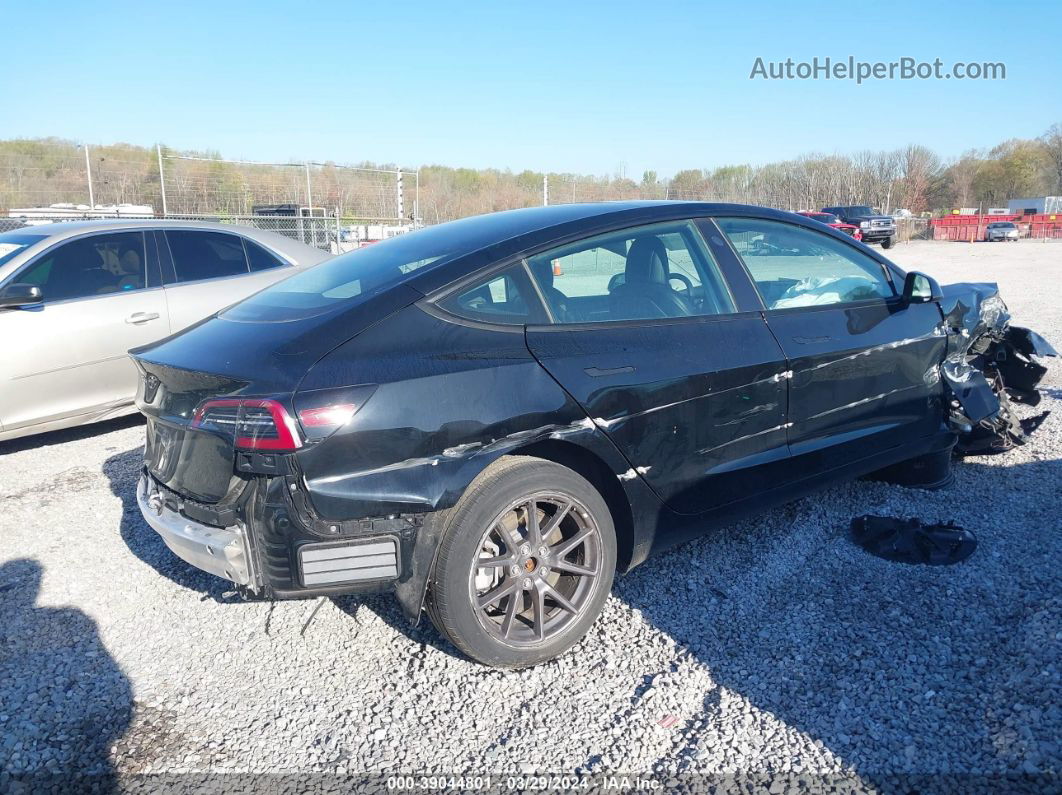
x=451, y=399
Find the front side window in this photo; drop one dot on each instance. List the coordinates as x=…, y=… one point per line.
x=89, y=266
x=506, y=298
x=659, y=271
x=206, y=255
x=794, y=266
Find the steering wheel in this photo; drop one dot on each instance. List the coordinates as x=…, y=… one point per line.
x=687, y=284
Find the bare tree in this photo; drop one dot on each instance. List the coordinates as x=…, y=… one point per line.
x=1052, y=141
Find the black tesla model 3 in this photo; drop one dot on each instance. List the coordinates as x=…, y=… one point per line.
x=490, y=417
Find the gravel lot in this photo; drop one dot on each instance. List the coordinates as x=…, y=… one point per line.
x=774, y=646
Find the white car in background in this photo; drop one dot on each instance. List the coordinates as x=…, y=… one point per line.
x=1001, y=230
x=75, y=297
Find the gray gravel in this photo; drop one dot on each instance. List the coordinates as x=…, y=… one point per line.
x=773, y=646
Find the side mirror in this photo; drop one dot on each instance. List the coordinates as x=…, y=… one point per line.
x=15, y=295
x=920, y=289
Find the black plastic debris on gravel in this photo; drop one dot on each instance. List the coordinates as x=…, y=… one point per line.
x=911, y=541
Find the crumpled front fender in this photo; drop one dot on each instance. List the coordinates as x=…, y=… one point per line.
x=988, y=364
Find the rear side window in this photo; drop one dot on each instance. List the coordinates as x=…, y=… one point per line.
x=260, y=259
x=506, y=298
x=206, y=255
x=793, y=266
x=91, y=266
x=659, y=271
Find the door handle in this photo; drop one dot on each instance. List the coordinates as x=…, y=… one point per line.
x=810, y=340
x=142, y=317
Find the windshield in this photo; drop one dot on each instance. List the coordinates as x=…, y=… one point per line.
x=826, y=218
x=1003, y=225
x=13, y=243
x=348, y=279
x=861, y=210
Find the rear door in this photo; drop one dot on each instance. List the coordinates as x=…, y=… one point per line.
x=683, y=376
x=864, y=364
x=66, y=357
x=206, y=271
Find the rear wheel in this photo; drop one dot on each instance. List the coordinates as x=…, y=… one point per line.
x=525, y=564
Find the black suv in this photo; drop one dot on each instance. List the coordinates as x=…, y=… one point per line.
x=875, y=228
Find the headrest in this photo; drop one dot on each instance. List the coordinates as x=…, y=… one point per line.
x=646, y=262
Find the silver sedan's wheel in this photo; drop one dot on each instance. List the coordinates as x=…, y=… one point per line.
x=525, y=563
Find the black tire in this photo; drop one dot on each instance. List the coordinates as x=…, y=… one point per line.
x=931, y=471
x=505, y=634
x=888, y=242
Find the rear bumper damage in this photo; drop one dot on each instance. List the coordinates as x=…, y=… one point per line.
x=221, y=551
x=989, y=365
x=270, y=548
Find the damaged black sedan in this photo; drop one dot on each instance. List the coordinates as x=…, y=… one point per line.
x=491, y=417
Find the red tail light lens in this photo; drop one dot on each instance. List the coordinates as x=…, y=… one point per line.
x=253, y=424
x=322, y=412
x=327, y=416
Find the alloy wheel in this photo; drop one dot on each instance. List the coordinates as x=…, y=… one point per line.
x=538, y=567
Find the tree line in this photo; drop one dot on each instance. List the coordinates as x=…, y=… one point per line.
x=40, y=172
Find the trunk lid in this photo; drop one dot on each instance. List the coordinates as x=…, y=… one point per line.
x=191, y=462
x=222, y=358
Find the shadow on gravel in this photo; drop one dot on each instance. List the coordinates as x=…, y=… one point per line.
x=65, y=699
x=386, y=607
x=122, y=471
x=70, y=434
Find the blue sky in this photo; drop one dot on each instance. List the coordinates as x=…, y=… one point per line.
x=586, y=87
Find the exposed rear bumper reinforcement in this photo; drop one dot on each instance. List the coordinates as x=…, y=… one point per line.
x=219, y=551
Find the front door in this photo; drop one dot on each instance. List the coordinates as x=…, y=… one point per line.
x=864, y=364
x=648, y=339
x=68, y=356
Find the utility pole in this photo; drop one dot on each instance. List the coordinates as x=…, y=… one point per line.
x=398, y=189
x=162, y=180
x=416, y=203
x=545, y=190
x=88, y=173
x=309, y=197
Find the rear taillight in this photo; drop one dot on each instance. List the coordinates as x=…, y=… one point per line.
x=322, y=412
x=253, y=423
x=327, y=416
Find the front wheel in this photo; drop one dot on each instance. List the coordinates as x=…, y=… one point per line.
x=525, y=564
x=888, y=242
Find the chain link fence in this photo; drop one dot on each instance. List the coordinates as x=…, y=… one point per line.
x=195, y=185
x=322, y=204
x=337, y=206
x=326, y=232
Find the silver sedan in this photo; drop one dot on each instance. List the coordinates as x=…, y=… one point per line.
x=75, y=297
x=1001, y=230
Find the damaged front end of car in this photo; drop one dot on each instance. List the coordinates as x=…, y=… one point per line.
x=990, y=365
